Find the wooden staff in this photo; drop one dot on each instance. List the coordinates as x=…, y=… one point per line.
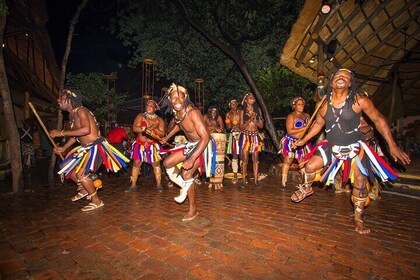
x=152, y=134
x=44, y=128
x=312, y=117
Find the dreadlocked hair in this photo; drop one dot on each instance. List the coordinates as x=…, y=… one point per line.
x=73, y=97
x=353, y=91
x=165, y=102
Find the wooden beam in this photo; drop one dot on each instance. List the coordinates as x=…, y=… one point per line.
x=319, y=25
x=376, y=31
x=414, y=35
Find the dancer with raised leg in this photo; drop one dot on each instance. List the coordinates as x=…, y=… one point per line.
x=190, y=156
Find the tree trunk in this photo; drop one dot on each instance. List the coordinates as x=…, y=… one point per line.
x=51, y=181
x=237, y=58
x=11, y=127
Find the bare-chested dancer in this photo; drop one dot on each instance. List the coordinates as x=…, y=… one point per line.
x=190, y=121
x=145, y=148
x=214, y=121
x=93, y=151
x=232, y=120
x=250, y=141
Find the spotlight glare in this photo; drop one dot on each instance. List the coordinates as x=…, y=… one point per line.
x=326, y=8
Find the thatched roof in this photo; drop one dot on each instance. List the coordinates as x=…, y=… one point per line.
x=375, y=39
x=29, y=57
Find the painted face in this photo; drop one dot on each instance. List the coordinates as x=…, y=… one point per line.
x=233, y=105
x=177, y=99
x=342, y=79
x=299, y=105
x=150, y=108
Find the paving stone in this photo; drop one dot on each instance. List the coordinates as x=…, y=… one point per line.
x=239, y=234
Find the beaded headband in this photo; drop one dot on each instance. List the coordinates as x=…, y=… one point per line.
x=246, y=95
x=233, y=100
x=69, y=92
x=294, y=100
x=344, y=69
x=176, y=88
x=155, y=103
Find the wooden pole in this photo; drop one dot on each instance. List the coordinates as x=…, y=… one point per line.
x=320, y=103
x=44, y=128
x=25, y=106
x=152, y=134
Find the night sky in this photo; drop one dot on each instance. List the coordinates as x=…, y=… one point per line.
x=93, y=48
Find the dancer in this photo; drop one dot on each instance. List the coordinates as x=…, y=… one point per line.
x=250, y=141
x=344, y=144
x=145, y=148
x=94, y=150
x=295, y=124
x=214, y=121
x=190, y=121
x=232, y=120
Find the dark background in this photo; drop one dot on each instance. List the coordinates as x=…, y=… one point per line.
x=93, y=48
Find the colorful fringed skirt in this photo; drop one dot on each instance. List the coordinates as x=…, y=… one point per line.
x=287, y=150
x=357, y=155
x=87, y=159
x=207, y=158
x=232, y=147
x=146, y=151
x=250, y=142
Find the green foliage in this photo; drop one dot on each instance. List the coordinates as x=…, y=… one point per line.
x=256, y=30
x=279, y=86
x=3, y=7
x=97, y=94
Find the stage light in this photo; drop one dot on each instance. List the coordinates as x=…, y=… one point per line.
x=326, y=8
x=312, y=60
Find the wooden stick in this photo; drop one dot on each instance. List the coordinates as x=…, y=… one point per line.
x=312, y=117
x=44, y=128
x=152, y=134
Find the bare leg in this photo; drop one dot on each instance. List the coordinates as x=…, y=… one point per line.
x=255, y=164
x=235, y=169
x=359, y=198
x=135, y=172
x=192, y=211
x=81, y=191
x=244, y=169
x=93, y=196
x=158, y=175
x=305, y=189
x=338, y=184
x=285, y=171
x=189, y=179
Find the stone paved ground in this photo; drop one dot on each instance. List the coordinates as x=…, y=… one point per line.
x=240, y=234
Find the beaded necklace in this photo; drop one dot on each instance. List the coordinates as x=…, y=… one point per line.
x=337, y=117
x=179, y=120
x=148, y=116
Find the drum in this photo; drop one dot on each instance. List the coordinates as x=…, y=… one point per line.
x=216, y=180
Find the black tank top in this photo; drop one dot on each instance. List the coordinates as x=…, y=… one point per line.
x=346, y=130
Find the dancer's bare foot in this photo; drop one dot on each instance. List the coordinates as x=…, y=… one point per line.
x=190, y=216
x=360, y=227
